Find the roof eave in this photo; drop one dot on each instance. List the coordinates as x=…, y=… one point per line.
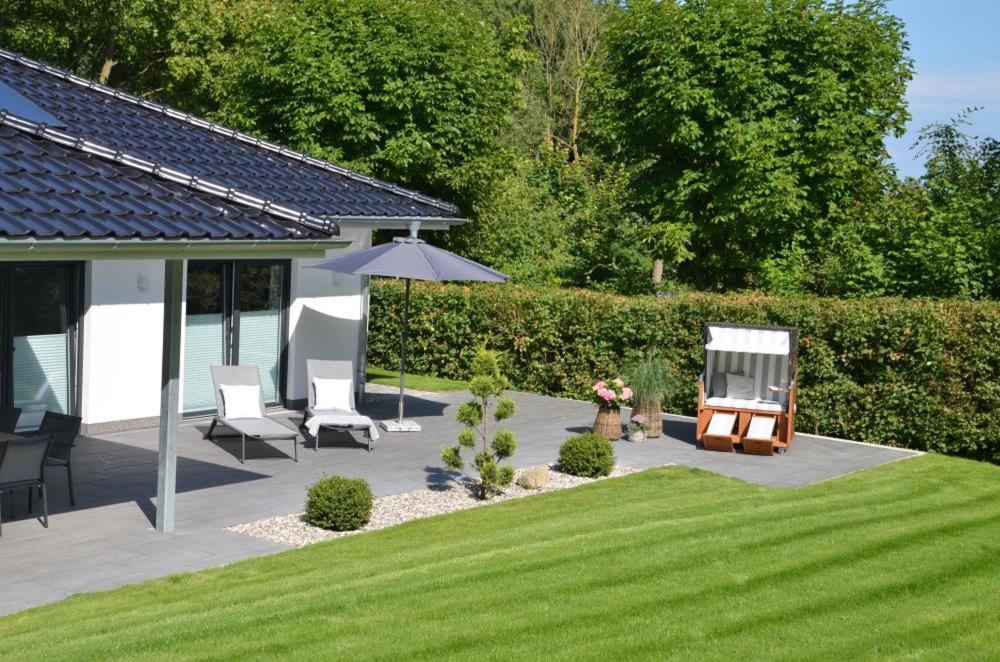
x=35, y=249
x=397, y=222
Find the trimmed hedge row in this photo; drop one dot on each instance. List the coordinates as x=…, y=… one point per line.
x=911, y=373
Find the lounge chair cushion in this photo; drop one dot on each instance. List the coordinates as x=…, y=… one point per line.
x=721, y=425
x=333, y=394
x=739, y=387
x=741, y=403
x=761, y=428
x=717, y=387
x=241, y=401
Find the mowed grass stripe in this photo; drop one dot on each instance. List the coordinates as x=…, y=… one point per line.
x=898, y=560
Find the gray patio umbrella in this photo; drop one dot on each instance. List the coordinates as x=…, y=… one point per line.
x=409, y=258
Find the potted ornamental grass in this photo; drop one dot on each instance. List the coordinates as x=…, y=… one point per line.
x=649, y=377
x=610, y=396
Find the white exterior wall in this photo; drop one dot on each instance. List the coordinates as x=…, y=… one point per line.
x=325, y=315
x=122, y=347
x=123, y=327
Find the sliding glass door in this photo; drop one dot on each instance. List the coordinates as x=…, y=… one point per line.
x=206, y=332
x=38, y=334
x=259, y=315
x=235, y=315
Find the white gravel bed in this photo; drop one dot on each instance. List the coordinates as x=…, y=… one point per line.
x=398, y=508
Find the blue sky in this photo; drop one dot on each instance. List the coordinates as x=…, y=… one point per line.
x=956, y=46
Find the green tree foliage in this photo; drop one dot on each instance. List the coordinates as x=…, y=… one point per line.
x=751, y=123
x=556, y=222
x=933, y=236
x=480, y=416
x=958, y=253
x=121, y=42
x=739, y=141
x=417, y=91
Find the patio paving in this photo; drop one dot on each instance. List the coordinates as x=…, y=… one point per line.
x=108, y=540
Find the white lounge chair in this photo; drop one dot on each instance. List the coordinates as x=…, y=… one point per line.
x=245, y=423
x=340, y=418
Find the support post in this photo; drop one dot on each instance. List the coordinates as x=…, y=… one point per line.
x=362, y=372
x=166, y=475
x=402, y=352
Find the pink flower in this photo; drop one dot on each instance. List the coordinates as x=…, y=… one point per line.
x=617, y=381
x=626, y=393
x=599, y=385
x=607, y=394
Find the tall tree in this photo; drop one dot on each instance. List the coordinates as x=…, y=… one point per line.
x=751, y=124
x=122, y=42
x=418, y=91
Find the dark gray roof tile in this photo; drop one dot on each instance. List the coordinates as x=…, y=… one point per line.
x=224, y=157
x=49, y=191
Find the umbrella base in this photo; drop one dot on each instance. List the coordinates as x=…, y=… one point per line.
x=394, y=425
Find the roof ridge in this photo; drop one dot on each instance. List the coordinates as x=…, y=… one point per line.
x=169, y=174
x=259, y=143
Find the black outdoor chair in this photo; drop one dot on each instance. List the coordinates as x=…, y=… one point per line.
x=22, y=466
x=8, y=419
x=63, y=429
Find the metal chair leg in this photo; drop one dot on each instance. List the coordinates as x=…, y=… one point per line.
x=45, y=505
x=211, y=429
x=69, y=478
x=295, y=447
x=243, y=449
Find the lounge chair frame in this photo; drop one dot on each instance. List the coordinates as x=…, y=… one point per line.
x=261, y=429
x=784, y=428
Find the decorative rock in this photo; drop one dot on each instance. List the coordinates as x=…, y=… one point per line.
x=534, y=478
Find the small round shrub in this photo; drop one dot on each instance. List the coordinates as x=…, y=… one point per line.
x=589, y=455
x=339, y=504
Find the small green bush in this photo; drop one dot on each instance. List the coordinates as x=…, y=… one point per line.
x=589, y=455
x=339, y=504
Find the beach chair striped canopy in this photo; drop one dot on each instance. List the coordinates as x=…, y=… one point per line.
x=765, y=355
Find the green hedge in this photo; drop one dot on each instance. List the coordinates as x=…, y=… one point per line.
x=912, y=373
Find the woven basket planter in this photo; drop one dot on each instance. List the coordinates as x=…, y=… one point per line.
x=654, y=417
x=608, y=423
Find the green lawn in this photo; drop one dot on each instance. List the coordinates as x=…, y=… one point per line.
x=898, y=561
x=415, y=382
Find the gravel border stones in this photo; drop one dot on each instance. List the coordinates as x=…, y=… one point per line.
x=398, y=508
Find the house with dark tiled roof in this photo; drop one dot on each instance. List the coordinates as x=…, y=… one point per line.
x=106, y=199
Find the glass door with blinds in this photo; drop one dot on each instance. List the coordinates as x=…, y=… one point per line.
x=235, y=316
x=41, y=303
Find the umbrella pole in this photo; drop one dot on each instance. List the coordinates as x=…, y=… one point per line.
x=402, y=348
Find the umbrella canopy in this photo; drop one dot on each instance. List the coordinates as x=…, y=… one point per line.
x=409, y=258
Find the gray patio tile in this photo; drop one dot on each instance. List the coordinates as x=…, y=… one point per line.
x=108, y=539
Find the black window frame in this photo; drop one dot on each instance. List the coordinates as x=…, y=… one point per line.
x=75, y=283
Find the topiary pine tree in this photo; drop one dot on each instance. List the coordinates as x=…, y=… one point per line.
x=494, y=444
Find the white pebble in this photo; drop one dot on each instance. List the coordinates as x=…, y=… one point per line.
x=398, y=508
